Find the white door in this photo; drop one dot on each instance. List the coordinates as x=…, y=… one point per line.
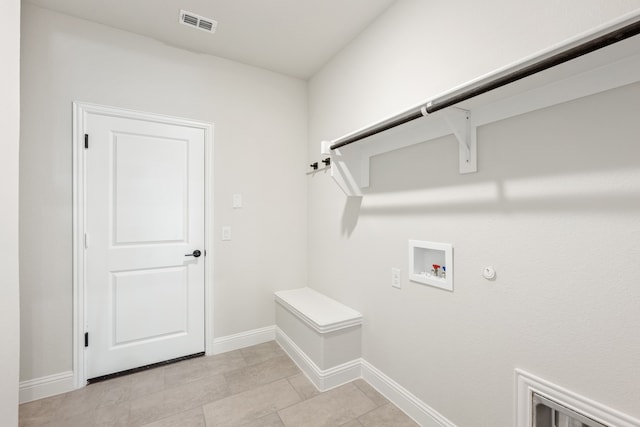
x=144, y=197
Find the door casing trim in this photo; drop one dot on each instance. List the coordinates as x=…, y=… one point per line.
x=80, y=112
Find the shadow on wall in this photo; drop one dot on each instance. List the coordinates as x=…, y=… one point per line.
x=578, y=156
x=352, y=209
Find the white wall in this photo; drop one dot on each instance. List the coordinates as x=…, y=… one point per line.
x=555, y=208
x=9, y=144
x=259, y=150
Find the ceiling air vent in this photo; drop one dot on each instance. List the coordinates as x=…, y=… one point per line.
x=197, y=21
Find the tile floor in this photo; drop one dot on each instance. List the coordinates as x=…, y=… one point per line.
x=254, y=386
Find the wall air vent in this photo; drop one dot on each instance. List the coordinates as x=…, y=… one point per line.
x=196, y=21
x=540, y=403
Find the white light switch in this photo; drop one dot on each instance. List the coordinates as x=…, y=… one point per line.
x=395, y=278
x=237, y=201
x=226, y=233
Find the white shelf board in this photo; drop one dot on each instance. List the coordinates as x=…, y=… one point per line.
x=605, y=69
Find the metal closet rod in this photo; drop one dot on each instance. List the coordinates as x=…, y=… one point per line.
x=449, y=100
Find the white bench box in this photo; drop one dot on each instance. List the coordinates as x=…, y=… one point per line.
x=322, y=335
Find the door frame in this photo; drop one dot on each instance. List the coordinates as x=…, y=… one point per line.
x=80, y=112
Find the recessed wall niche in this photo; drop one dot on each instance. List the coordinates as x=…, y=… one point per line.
x=431, y=263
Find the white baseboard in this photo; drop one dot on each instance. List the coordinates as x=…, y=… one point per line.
x=323, y=379
x=50, y=385
x=63, y=382
x=422, y=413
x=327, y=379
x=243, y=339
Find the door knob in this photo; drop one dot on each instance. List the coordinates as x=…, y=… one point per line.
x=195, y=253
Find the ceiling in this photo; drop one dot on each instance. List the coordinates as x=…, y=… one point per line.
x=293, y=37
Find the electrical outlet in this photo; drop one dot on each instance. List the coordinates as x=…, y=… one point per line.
x=237, y=201
x=226, y=233
x=395, y=278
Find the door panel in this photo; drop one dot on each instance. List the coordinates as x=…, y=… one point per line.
x=144, y=213
x=143, y=163
x=131, y=306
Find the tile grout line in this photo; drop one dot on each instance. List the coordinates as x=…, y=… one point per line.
x=368, y=412
x=295, y=389
x=280, y=418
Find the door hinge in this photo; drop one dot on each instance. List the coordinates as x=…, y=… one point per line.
x=86, y=140
x=86, y=241
x=86, y=339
